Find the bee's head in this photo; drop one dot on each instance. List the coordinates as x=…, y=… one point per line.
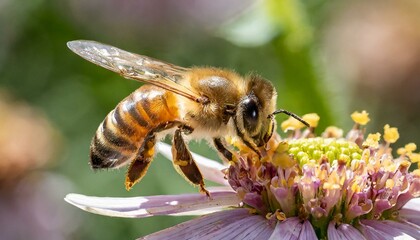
x=253, y=121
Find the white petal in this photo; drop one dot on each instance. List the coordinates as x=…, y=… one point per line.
x=412, y=216
x=411, y=211
x=229, y=224
x=293, y=228
x=333, y=234
x=372, y=233
x=391, y=229
x=307, y=231
x=343, y=231
x=210, y=169
x=412, y=204
x=185, y=204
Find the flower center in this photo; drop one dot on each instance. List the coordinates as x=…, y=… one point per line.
x=323, y=180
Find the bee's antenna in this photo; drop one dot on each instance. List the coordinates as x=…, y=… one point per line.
x=290, y=114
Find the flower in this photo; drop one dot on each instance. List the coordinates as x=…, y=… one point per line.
x=303, y=187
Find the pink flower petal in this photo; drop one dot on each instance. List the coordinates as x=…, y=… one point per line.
x=343, y=231
x=229, y=224
x=293, y=228
x=392, y=229
x=185, y=204
x=210, y=169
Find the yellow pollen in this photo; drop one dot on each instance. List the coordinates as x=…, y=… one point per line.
x=401, y=151
x=372, y=140
x=333, y=182
x=389, y=183
x=355, y=187
x=291, y=124
x=416, y=172
x=366, y=155
x=360, y=118
x=411, y=147
x=312, y=119
x=322, y=174
x=389, y=165
x=235, y=141
x=415, y=157
x=391, y=134
x=282, y=147
x=281, y=157
x=408, y=150
x=280, y=215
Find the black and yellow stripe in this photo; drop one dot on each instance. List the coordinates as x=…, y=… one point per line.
x=121, y=134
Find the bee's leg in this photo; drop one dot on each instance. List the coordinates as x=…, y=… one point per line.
x=184, y=162
x=139, y=165
x=220, y=146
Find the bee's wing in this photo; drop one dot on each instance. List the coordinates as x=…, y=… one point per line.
x=134, y=66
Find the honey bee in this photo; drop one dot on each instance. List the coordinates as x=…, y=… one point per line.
x=202, y=102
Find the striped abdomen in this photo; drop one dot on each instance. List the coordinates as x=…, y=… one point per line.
x=122, y=132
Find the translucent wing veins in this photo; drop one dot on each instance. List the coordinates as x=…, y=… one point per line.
x=134, y=66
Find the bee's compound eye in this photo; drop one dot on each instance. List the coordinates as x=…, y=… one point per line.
x=250, y=114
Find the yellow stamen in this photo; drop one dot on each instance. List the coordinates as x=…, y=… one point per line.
x=414, y=157
x=389, y=165
x=333, y=182
x=407, y=149
x=391, y=134
x=281, y=157
x=280, y=216
x=333, y=132
x=312, y=119
x=360, y=118
x=389, y=183
x=291, y=124
x=410, y=147
x=372, y=140
x=416, y=172
x=401, y=151
x=355, y=187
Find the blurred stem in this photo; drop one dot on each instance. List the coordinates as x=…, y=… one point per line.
x=302, y=81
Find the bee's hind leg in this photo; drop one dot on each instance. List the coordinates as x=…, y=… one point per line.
x=183, y=160
x=139, y=165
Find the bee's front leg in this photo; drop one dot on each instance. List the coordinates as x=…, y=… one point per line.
x=184, y=162
x=220, y=146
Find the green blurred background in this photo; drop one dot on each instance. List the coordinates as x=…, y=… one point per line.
x=328, y=58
